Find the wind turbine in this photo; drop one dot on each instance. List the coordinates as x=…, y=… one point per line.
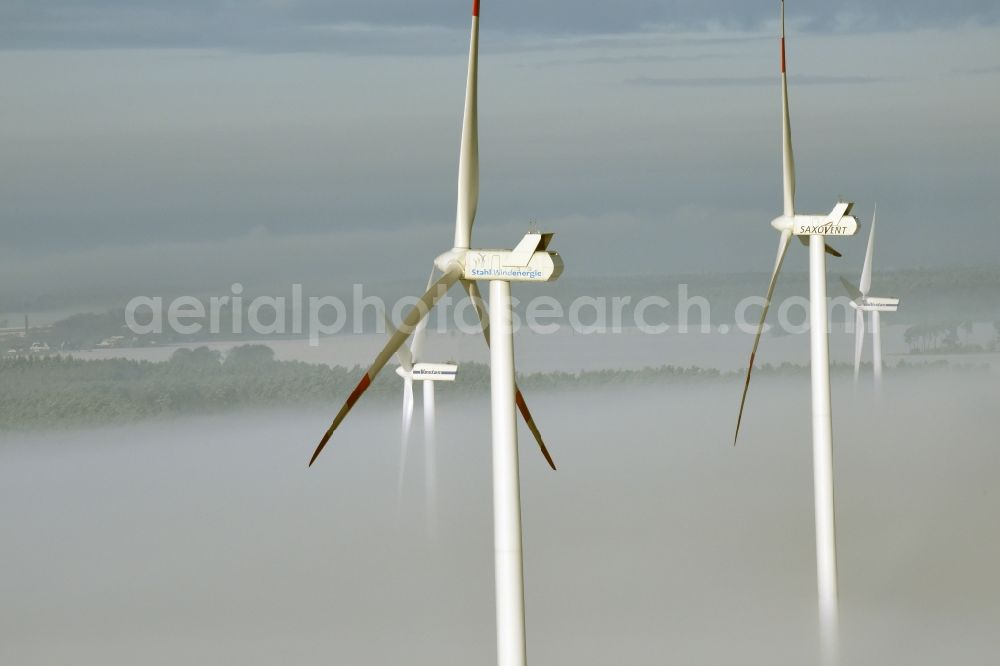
x=862, y=303
x=530, y=261
x=411, y=369
x=811, y=230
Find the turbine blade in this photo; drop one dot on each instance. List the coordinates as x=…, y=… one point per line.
x=804, y=240
x=405, y=432
x=468, y=160
x=866, y=271
x=472, y=289
x=522, y=406
x=417, y=346
x=412, y=318
x=786, y=236
x=430, y=449
x=405, y=356
x=859, y=342
x=430, y=412
x=787, y=156
x=404, y=353
x=477, y=302
x=852, y=291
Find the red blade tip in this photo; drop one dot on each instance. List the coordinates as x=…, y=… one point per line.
x=366, y=381
x=475, y=7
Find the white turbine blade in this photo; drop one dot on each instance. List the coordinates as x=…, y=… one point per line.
x=786, y=236
x=420, y=334
x=852, y=291
x=830, y=250
x=429, y=411
x=877, y=347
x=404, y=354
x=412, y=318
x=484, y=319
x=866, y=272
x=787, y=156
x=430, y=452
x=468, y=160
x=405, y=433
x=859, y=342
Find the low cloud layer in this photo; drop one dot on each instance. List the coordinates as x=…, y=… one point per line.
x=208, y=540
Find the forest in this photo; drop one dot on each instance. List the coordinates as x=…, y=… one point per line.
x=55, y=391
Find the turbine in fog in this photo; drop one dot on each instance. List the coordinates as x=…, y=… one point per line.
x=862, y=303
x=529, y=261
x=812, y=231
x=411, y=369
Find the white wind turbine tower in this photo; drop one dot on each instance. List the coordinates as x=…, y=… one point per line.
x=411, y=369
x=530, y=261
x=874, y=306
x=811, y=230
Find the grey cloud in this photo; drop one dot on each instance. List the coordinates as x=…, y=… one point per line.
x=301, y=25
x=164, y=151
x=734, y=81
x=978, y=71
x=626, y=59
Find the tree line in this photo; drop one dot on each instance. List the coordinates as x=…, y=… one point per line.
x=944, y=338
x=46, y=391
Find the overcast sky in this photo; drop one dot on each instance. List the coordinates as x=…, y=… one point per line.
x=134, y=134
x=296, y=25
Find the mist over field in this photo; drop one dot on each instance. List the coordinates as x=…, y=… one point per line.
x=207, y=540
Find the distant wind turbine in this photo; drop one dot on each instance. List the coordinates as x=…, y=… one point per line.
x=530, y=261
x=862, y=303
x=811, y=230
x=411, y=369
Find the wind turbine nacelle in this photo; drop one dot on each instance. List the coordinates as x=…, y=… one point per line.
x=435, y=372
x=821, y=225
x=872, y=304
x=530, y=261
x=839, y=222
x=430, y=372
